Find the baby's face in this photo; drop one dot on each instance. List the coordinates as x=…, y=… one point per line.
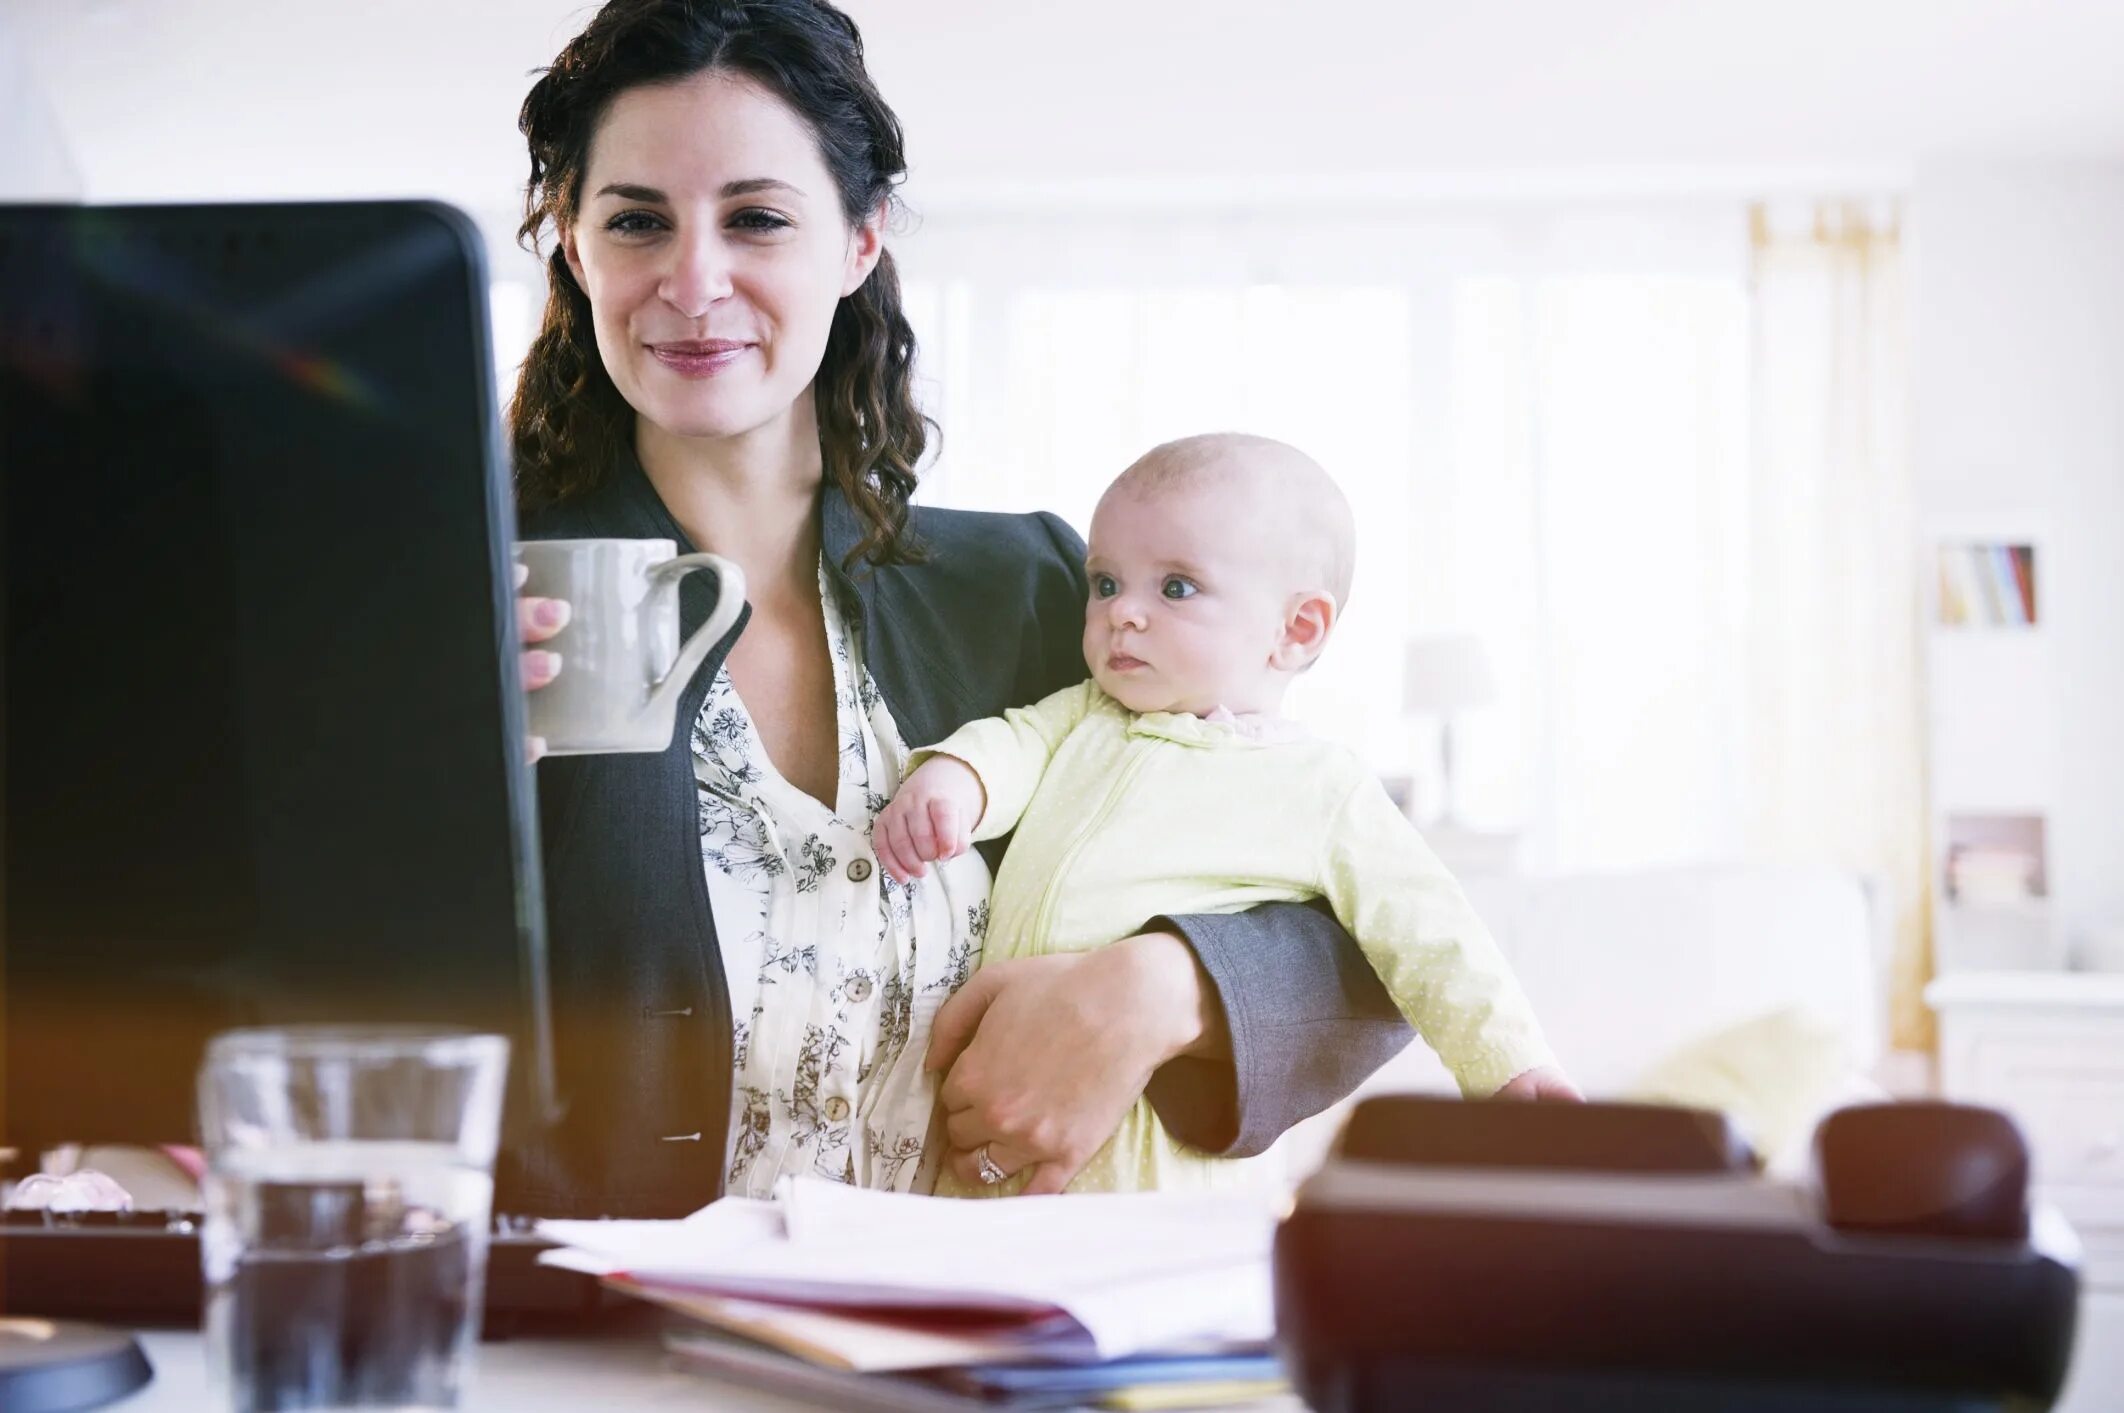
x=1187, y=602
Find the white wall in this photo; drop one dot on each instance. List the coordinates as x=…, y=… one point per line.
x=2018, y=355
x=35, y=164
x=176, y=99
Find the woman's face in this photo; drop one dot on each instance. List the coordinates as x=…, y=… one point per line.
x=711, y=243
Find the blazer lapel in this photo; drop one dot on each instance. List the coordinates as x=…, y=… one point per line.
x=912, y=645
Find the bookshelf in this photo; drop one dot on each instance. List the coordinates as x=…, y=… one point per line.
x=1992, y=723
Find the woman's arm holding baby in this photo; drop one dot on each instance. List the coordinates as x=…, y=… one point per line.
x=1043, y=1055
x=1234, y=1025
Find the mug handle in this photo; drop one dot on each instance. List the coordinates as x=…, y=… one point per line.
x=730, y=601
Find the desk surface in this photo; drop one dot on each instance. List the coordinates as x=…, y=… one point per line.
x=620, y=1365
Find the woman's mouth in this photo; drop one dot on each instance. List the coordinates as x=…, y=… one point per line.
x=698, y=358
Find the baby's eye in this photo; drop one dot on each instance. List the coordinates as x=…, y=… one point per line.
x=1178, y=587
x=1103, y=586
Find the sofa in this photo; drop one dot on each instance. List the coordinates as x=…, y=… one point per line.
x=1629, y=970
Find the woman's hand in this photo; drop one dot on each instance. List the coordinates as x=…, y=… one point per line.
x=1044, y=1055
x=931, y=818
x=1541, y=1082
x=537, y=620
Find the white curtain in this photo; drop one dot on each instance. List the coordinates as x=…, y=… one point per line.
x=1653, y=457
x=1402, y=352
x=1834, y=703
x=1599, y=472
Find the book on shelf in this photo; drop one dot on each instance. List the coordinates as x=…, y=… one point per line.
x=1992, y=876
x=1995, y=860
x=1988, y=585
x=2024, y=579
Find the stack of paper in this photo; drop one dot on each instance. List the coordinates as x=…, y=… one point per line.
x=1227, y=1381
x=1028, y=1302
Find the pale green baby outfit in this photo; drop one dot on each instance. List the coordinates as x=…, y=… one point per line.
x=1122, y=818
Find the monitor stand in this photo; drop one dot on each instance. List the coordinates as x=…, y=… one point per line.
x=57, y=1366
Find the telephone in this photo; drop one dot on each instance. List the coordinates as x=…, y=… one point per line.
x=1632, y=1257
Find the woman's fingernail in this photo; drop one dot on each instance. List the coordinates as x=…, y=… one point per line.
x=551, y=613
x=549, y=664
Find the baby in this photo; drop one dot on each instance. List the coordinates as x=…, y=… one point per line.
x=1169, y=784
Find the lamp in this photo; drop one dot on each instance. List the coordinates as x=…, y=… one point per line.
x=1442, y=675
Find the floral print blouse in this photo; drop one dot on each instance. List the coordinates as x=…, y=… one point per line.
x=835, y=971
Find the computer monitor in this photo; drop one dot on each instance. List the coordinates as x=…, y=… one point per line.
x=261, y=743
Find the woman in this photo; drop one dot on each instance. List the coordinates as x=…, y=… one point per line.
x=724, y=363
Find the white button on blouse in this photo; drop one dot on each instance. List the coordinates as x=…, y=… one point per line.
x=835, y=971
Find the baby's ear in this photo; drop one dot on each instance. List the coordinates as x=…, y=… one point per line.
x=1307, y=621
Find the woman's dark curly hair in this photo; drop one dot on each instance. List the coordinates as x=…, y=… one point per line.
x=568, y=425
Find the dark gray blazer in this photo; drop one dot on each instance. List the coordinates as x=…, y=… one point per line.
x=642, y=1019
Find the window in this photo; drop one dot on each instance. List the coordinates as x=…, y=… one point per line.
x=1540, y=420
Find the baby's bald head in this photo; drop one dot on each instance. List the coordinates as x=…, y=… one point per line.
x=1273, y=493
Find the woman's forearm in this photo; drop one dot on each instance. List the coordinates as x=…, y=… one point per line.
x=1180, y=1001
x=1305, y=1020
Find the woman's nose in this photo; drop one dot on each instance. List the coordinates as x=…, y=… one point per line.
x=698, y=277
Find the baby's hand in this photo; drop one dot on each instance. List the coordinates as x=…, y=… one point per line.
x=931, y=819
x=1541, y=1082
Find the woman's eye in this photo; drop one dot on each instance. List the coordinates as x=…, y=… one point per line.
x=1103, y=586
x=1176, y=587
x=633, y=223
x=755, y=219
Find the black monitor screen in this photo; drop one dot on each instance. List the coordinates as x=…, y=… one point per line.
x=261, y=721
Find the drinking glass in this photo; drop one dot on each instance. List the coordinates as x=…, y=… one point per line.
x=348, y=1191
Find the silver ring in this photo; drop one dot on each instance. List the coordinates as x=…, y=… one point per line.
x=990, y=1173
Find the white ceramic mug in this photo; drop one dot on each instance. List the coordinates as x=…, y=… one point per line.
x=622, y=666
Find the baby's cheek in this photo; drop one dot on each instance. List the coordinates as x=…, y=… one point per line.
x=1124, y=690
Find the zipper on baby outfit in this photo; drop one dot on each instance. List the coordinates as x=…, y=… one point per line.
x=1043, y=919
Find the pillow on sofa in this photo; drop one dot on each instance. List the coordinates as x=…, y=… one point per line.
x=1774, y=1074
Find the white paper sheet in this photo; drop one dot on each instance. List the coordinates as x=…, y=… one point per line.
x=1138, y=1271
